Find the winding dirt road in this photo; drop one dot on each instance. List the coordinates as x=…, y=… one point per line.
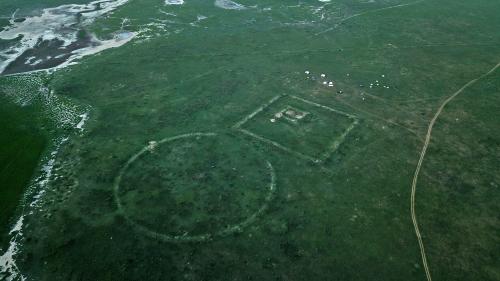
x=421, y=160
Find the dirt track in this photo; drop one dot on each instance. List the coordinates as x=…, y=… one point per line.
x=421, y=160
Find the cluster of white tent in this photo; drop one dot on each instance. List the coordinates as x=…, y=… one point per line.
x=328, y=83
x=323, y=76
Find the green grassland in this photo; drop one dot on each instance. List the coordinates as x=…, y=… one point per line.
x=346, y=218
x=178, y=174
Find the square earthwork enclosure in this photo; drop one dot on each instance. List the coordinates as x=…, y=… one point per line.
x=304, y=128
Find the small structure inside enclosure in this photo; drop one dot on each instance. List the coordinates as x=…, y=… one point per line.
x=299, y=126
x=290, y=114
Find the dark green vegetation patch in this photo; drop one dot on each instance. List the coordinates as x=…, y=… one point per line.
x=21, y=144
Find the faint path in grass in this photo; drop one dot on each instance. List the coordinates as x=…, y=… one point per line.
x=421, y=160
x=172, y=86
x=365, y=13
x=186, y=237
x=394, y=105
x=291, y=52
x=379, y=117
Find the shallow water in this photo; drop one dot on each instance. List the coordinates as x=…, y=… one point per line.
x=55, y=37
